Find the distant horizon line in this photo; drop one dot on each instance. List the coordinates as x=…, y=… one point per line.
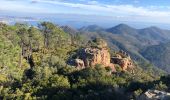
x=39, y=21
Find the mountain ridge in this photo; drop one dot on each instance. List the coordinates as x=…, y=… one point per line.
x=129, y=39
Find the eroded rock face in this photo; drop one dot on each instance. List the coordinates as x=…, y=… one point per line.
x=123, y=60
x=93, y=56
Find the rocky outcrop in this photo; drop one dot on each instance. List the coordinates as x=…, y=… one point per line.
x=154, y=95
x=93, y=56
x=97, y=52
x=123, y=60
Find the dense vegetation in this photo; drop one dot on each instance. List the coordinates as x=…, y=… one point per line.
x=33, y=66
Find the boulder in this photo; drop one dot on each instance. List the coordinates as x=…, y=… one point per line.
x=154, y=95
x=79, y=63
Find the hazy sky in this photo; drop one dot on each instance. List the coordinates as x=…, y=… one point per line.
x=154, y=11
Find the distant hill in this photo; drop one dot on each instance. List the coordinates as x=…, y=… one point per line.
x=159, y=55
x=128, y=38
x=154, y=34
x=91, y=28
x=69, y=29
x=147, y=36
x=122, y=29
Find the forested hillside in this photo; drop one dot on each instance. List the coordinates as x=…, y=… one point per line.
x=34, y=65
x=159, y=55
x=133, y=41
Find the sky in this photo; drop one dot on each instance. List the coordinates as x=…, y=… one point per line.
x=145, y=11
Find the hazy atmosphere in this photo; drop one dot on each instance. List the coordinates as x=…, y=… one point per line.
x=138, y=13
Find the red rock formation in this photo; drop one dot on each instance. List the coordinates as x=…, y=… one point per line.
x=99, y=54
x=93, y=56
x=123, y=60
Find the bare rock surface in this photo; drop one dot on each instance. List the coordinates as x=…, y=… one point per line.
x=154, y=95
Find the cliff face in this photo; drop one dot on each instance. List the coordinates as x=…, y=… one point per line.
x=93, y=56
x=98, y=54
